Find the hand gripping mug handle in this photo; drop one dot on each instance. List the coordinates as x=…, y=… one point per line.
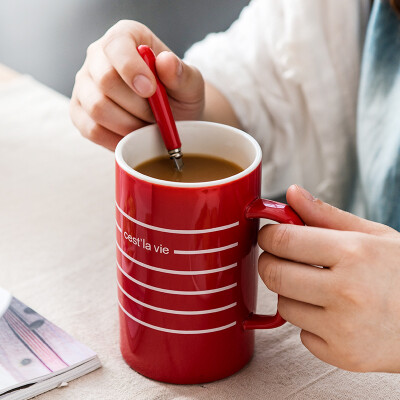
x=282, y=213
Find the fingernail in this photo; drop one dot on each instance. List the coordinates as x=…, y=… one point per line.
x=179, y=69
x=307, y=195
x=142, y=85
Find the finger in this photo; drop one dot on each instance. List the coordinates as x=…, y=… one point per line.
x=322, y=350
x=123, y=56
x=295, y=280
x=103, y=110
x=91, y=130
x=315, y=212
x=317, y=346
x=184, y=83
x=305, y=316
x=308, y=245
x=111, y=84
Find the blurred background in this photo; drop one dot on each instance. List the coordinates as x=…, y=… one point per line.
x=48, y=39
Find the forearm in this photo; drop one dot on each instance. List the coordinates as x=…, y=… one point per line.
x=217, y=108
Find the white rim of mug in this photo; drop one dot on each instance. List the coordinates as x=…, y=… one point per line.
x=257, y=159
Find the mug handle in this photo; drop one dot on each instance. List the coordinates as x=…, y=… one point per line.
x=282, y=213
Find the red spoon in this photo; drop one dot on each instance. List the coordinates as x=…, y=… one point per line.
x=162, y=111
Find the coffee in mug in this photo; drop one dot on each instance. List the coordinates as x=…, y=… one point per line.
x=197, y=168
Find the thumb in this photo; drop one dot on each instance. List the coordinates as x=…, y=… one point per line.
x=184, y=83
x=315, y=212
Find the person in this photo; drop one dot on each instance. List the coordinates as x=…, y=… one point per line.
x=288, y=73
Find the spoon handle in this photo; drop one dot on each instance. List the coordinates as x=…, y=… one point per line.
x=159, y=104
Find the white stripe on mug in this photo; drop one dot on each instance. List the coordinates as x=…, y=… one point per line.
x=175, y=271
x=159, y=328
x=206, y=251
x=182, y=292
x=180, y=231
x=119, y=228
x=169, y=311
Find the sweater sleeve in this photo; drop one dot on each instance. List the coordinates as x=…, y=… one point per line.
x=277, y=64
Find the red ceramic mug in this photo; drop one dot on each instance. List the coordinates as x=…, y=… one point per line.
x=187, y=257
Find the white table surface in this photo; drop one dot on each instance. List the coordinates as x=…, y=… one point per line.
x=57, y=254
